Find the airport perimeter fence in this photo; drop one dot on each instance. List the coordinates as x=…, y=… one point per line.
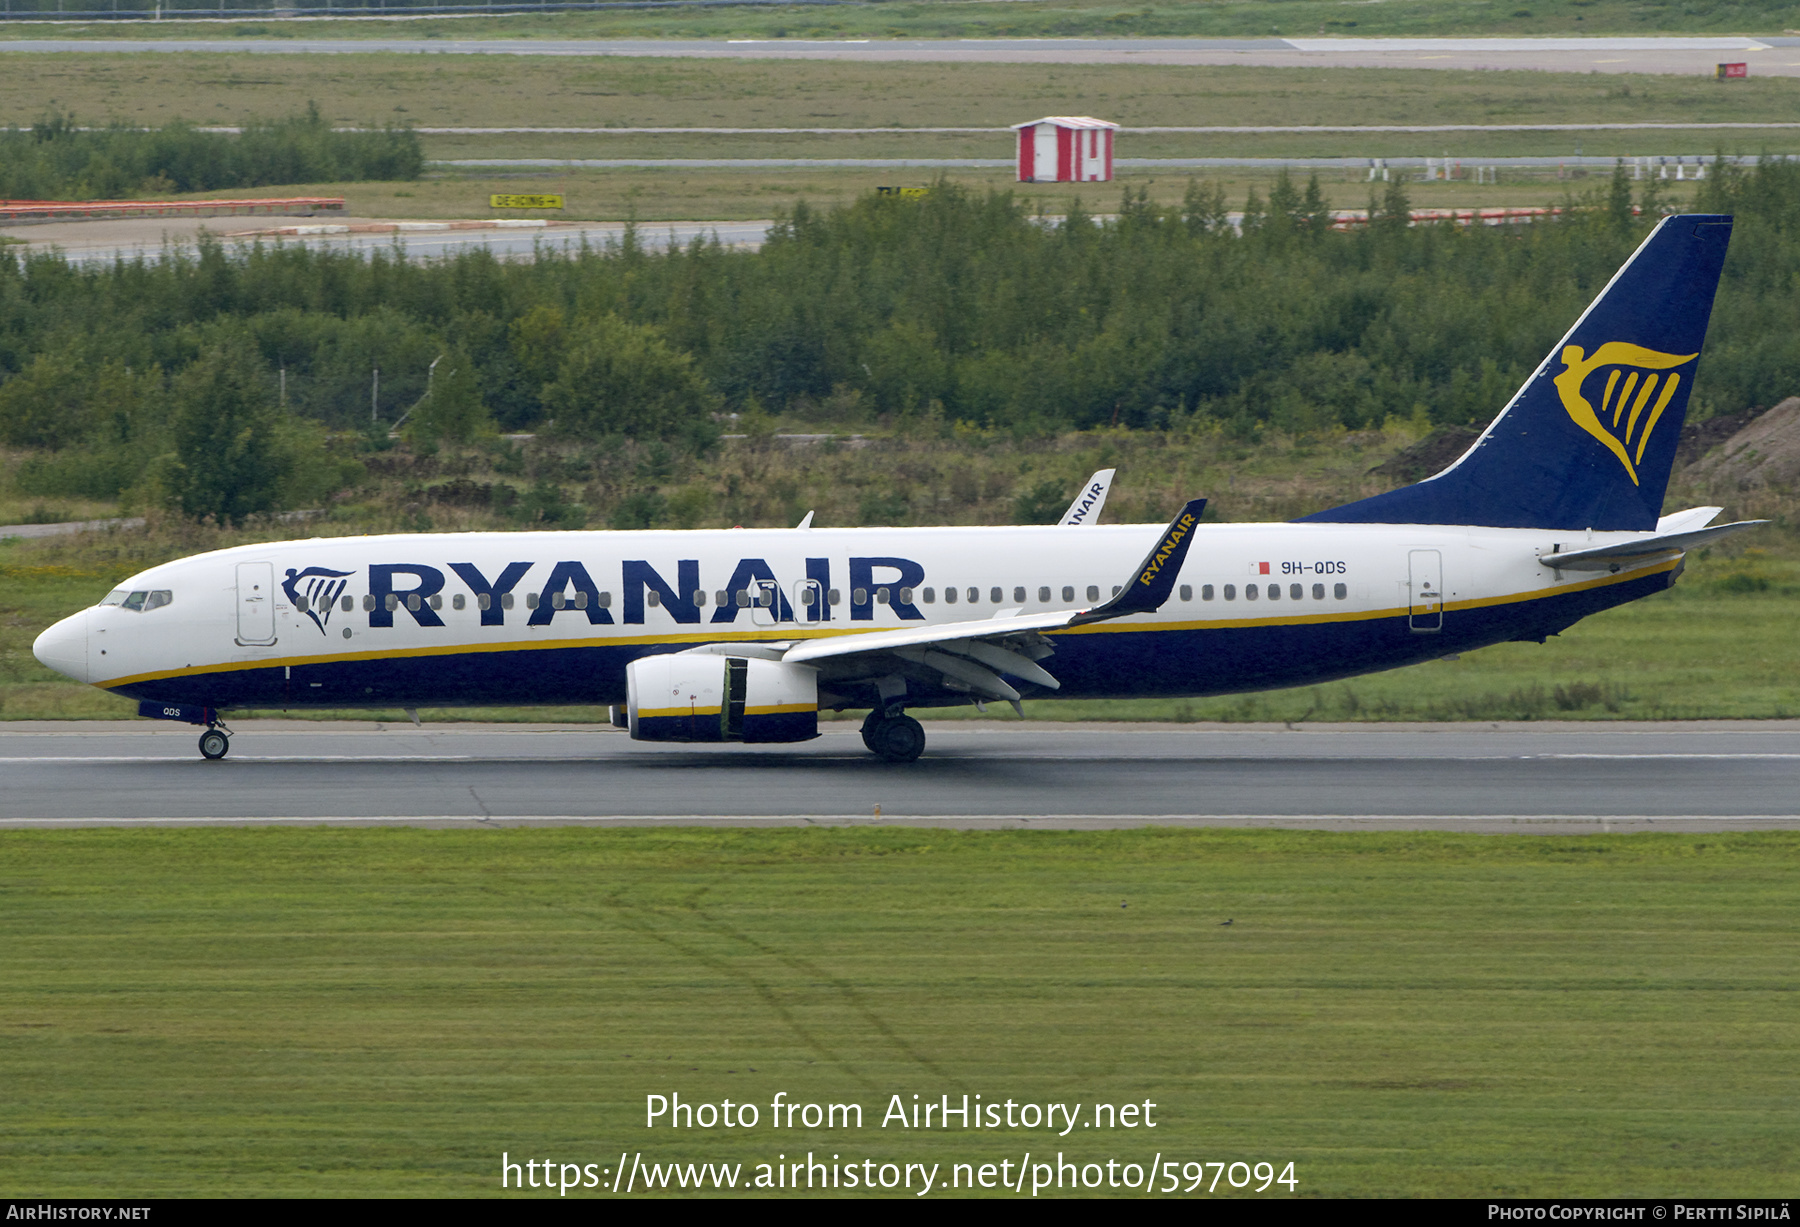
x=200, y=10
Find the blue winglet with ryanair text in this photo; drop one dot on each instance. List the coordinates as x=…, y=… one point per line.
x=1154, y=578
x=1590, y=440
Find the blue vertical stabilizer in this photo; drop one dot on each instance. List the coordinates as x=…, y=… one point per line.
x=1590, y=440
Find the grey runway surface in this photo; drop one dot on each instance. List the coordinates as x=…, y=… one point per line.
x=1772, y=56
x=102, y=242
x=1558, y=778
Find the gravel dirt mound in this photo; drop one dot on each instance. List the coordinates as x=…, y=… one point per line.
x=1766, y=453
x=1430, y=455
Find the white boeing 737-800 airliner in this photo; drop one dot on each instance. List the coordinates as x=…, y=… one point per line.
x=1553, y=514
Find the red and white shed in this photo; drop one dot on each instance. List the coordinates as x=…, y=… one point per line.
x=1065, y=149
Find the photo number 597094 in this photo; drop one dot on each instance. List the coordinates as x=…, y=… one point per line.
x=1194, y=1174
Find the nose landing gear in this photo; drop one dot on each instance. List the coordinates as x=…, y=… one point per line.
x=895, y=736
x=214, y=743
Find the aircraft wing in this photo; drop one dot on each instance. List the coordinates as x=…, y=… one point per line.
x=1628, y=553
x=973, y=655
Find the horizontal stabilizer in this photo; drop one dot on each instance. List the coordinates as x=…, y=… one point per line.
x=1624, y=554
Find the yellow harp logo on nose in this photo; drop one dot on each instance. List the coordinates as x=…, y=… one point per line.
x=1634, y=397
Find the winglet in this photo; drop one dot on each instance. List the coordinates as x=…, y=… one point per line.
x=1086, y=507
x=1154, y=578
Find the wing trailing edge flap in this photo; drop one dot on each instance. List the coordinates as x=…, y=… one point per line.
x=1622, y=554
x=963, y=651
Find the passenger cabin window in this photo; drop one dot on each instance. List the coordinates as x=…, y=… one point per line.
x=1296, y=591
x=1318, y=592
x=859, y=596
x=699, y=599
x=457, y=601
x=412, y=601
x=368, y=601
x=930, y=596
x=1043, y=596
x=1093, y=592
x=531, y=600
x=1274, y=592
x=349, y=603
x=834, y=597
x=1340, y=591
x=1068, y=594
x=906, y=596
x=996, y=595
x=1018, y=596
x=1206, y=592
x=881, y=596
x=1251, y=592
x=301, y=604
x=506, y=601
x=1231, y=592
x=653, y=598
x=1187, y=592
x=485, y=602
x=949, y=595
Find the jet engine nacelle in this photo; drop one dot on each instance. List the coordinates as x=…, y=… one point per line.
x=701, y=697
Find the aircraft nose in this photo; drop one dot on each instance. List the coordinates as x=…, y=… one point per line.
x=64, y=647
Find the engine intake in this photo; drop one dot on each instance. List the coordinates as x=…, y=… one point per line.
x=701, y=697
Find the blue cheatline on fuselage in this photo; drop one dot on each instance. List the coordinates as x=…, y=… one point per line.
x=1186, y=659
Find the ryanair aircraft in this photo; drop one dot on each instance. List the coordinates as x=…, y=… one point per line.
x=714, y=636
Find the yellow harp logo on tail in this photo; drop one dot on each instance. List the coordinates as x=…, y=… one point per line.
x=1632, y=400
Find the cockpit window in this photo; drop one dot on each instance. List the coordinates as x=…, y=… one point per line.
x=140, y=602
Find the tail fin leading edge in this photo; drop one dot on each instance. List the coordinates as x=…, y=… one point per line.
x=1589, y=441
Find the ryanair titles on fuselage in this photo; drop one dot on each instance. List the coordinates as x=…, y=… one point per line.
x=570, y=587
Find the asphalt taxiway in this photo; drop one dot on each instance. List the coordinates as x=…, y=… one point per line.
x=1768, y=56
x=1539, y=777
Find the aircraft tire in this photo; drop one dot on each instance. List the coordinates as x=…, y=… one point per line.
x=214, y=744
x=898, y=739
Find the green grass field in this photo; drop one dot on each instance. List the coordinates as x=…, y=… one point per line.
x=482, y=91
x=655, y=196
x=487, y=91
x=1028, y=19
x=340, y=1012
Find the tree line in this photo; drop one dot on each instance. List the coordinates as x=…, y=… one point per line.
x=58, y=159
x=959, y=307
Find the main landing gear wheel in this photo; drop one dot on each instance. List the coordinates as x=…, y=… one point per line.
x=897, y=738
x=214, y=744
